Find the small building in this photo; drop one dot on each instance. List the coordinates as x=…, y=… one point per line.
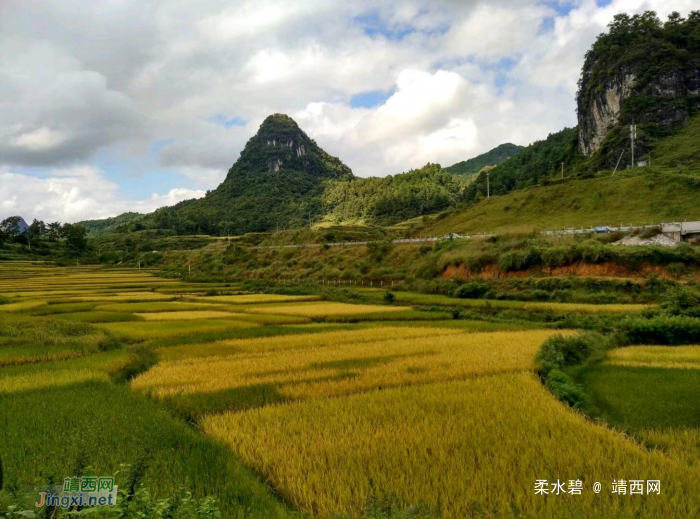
x=682, y=231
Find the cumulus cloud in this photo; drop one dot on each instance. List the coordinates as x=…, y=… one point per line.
x=73, y=194
x=79, y=79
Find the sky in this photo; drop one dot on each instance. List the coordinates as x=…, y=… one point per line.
x=129, y=105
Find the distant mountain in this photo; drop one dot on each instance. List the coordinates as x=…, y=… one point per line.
x=276, y=182
x=490, y=158
x=16, y=224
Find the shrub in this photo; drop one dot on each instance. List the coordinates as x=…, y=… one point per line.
x=565, y=389
x=471, y=290
x=662, y=330
x=558, y=351
x=389, y=297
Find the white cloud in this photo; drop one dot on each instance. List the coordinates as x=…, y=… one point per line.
x=73, y=194
x=41, y=139
x=79, y=78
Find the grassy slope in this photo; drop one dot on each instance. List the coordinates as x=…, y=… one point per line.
x=653, y=195
x=648, y=198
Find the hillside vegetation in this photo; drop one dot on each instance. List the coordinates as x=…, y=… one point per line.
x=392, y=199
x=666, y=191
x=623, y=199
x=499, y=154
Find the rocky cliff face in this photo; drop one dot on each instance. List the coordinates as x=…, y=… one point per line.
x=602, y=113
x=642, y=71
x=665, y=97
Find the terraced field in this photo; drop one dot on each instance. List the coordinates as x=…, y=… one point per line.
x=286, y=406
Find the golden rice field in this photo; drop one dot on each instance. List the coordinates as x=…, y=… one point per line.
x=186, y=315
x=656, y=357
x=141, y=331
x=325, y=309
x=347, y=367
x=470, y=448
x=260, y=298
x=301, y=341
x=439, y=412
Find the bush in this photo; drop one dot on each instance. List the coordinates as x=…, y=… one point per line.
x=558, y=351
x=389, y=297
x=565, y=389
x=470, y=291
x=664, y=330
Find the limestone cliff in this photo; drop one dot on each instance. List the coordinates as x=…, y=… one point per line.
x=641, y=71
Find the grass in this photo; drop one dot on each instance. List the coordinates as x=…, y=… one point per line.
x=463, y=447
x=624, y=199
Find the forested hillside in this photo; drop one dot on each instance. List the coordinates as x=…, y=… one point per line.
x=493, y=157
x=394, y=198
x=540, y=160
x=642, y=71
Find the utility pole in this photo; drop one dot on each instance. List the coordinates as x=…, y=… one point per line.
x=618, y=162
x=139, y=265
x=488, y=185
x=562, y=170
x=189, y=267
x=633, y=135
x=309, y=219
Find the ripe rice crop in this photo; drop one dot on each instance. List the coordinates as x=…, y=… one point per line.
x=470, y=448
x=345, y=368
x=656, y=357
x=679, y=443
x=325, y=309
x=156, y=306
x=301, y=341
x=192, y=315
x=258, y=298
x=141, y=331
x=22, y=305
x=434, y=299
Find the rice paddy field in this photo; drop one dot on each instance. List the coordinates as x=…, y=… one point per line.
x=294, y=406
